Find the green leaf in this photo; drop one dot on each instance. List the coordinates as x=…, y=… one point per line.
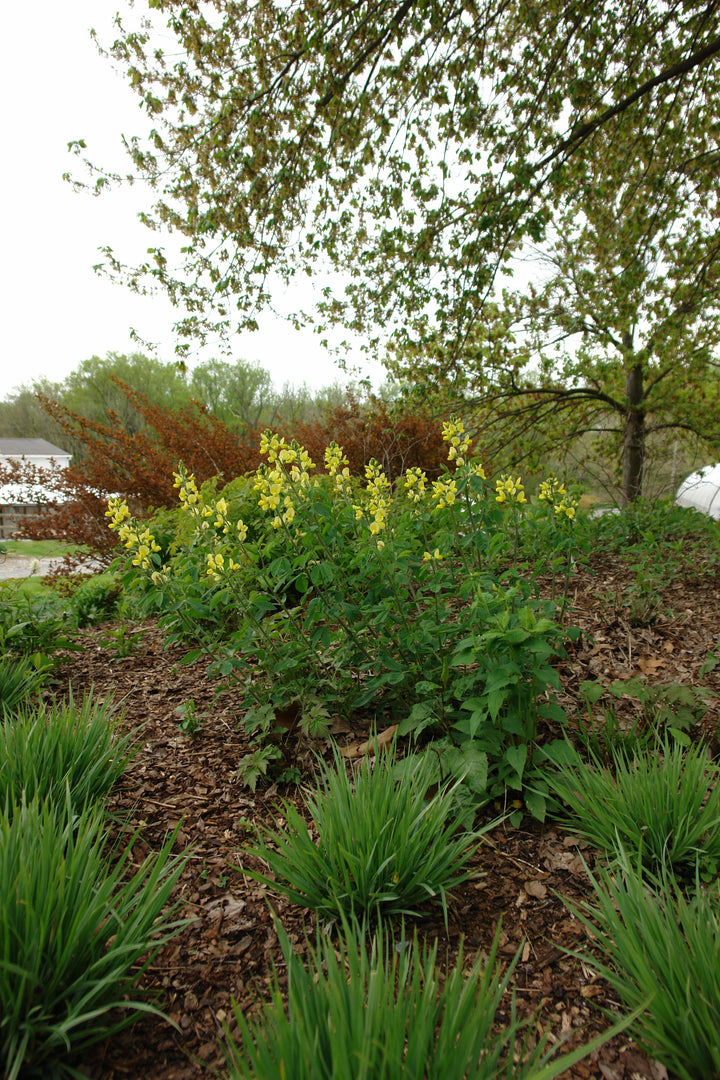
x=516, y=756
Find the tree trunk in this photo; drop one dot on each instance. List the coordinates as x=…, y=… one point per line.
x=634, y=440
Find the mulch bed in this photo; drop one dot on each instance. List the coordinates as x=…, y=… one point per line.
x=228, y=950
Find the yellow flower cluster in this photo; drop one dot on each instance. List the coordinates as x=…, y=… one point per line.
x=415, y=482
x=553, y=492
x=336, y=465
x=217, y=565
x=453, y=432
x=141, y=542
x=378, y=489
x=434, y=557
x=444, y=492
x=289, y=475
x=509, y=489
x=294, y=458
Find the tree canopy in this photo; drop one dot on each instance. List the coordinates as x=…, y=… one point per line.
x=417, y=147
x=412, y=145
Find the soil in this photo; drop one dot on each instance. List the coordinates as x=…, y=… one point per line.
x=523, y=874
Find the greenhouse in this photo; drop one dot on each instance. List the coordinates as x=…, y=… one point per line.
x=701, y=490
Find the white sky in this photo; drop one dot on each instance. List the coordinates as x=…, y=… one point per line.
x=55, y=310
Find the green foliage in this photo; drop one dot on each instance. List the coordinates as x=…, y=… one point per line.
x=662, y=808
x=675, y=708
x=76, y=935
x=54, y=752
x=34, y=626
x=20, y=681
x=383, y=1012
x=95, y=600
x=385, y=847
x=190, y=719
x=660, y=951
x=343, y=599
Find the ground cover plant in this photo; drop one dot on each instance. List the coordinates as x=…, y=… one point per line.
x=659, y=953
x=660, y=806
x=360, y=1010
x=58, y=751
x=76, y=934
x=384, y=846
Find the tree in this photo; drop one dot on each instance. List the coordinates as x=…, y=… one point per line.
x=239, y=394
x=411, y=145
x=22, y=416
x=620, y=336
x=94, y=388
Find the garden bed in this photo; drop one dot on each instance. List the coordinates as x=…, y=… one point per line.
x=229, y=949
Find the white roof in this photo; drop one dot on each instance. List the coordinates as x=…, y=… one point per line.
x=701, y=490
x=26, y=495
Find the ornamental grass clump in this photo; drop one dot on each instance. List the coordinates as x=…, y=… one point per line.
x=384, y=846
x=51, y=749
x=20, y=681
x=75, y=936
x=663, y=808
x=382, y=1011
x=662, y=953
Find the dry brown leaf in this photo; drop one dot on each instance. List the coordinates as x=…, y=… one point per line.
x=384, y=739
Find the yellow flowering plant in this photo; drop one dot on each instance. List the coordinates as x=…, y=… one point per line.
x=327, y=595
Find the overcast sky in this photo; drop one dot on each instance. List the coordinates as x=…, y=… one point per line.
x=55, y=310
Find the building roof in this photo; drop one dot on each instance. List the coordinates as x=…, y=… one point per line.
x=31, y=448
x=28, y=495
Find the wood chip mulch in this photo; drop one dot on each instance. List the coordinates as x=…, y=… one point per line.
x=228, y=950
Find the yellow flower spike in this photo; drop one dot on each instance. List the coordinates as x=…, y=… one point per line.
x=276, y=522
x=242, y=531
x=380, y=545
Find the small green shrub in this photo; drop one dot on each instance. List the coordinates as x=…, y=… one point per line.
x=47, y=751
x=75, y=936
x=96, y=599
x=662, y=958
x=384, y=1013
x=384, y=846
x=35, y=626
x=663, y=808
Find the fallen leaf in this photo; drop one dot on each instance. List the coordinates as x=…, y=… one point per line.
x=360, y=749
x=536, y=889
x=649, y=665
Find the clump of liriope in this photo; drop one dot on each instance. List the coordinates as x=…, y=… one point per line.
x=662, y=808
x=384, y=847
x=661, y=951
x=75, y=936
x=58, y=748
x=382, y=1011
x=20, y=681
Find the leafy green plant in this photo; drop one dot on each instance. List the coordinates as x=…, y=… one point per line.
x=660, y=952
x=382, y=1012
x=96, y=599
x=605, y=739
x=58, y=748
x=662, y=808
x=20, y=681
x=76, y=936
x=385, y=847
x=35, y=626
x=334, y=599
x=190, y=719
x=123, y=641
